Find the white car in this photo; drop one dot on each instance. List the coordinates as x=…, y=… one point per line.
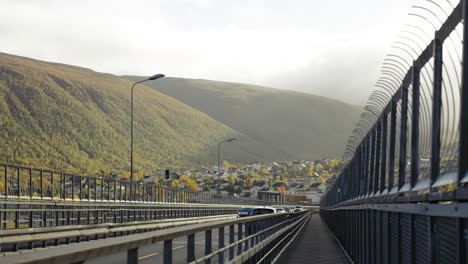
x=298, y=208
x=280, y=210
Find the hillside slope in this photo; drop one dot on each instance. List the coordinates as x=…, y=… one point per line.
x=69, y=118
x=302, y=126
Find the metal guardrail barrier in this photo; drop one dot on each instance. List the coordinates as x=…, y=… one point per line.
x=18, y=239
x=259, y=240
x=30, y=214
x=393, y=203
x=37, y=184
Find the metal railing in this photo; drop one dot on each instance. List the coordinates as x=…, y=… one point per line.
x=393, y=203
x=39, y=214
x=256, y=239
x=18, y=182
x=388, y=168
x=29, y=238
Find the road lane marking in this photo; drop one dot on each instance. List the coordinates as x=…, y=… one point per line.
x=148, y=256
x=178, y=247
x=155, y=254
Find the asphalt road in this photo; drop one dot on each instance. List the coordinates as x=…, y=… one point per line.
x=154, y=253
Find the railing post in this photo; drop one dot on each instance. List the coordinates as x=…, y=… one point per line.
x=52, y=189
x=383, y=162
x=436, y=108
x=81, y=186
x=365, y=162
x=63, y=192
x=415, y=126
x=31, y=191
x=208, y=245
x=6, y=182
x=132, y=256
x=221, y=244
x=231, y=241
x=73, y=187
x=372, y=161
x=403, y=135
x=167, y=251
x=463, y=156
x=41, y=182
x=378, y=143
x=392, y=143
x=360, y=172
x=190, y=248
x=18, y=181
x=239, y=237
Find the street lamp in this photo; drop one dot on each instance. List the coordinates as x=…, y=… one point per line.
x=154, y=77
x=219, y=159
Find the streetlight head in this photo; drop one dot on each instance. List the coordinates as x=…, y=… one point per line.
x=231, y=139
x=156, y=76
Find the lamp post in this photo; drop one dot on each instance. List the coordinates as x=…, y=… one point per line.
x=219, y=159
x=154, y=77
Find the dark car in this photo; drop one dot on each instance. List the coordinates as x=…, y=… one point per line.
x=263, y=210
x=245, y=211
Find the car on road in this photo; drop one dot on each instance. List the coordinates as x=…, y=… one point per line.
x=263, y=210
x=244, y=211
x=280, y=210
x=298, y=208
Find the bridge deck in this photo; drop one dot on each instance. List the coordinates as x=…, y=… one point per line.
x=314, y=244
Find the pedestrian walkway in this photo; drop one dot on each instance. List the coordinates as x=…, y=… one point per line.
x=314, y=244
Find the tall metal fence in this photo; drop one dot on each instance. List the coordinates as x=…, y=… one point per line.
x=387, y=163
x=18, y=182
x=402, y=196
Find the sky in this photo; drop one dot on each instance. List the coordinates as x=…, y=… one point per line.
x=328, y=48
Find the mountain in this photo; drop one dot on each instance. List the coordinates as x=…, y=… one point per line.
x=297, y=125
x=69, y=118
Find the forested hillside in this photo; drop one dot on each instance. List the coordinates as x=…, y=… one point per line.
x=69, y=118
x=298, y=125
x=74, y=119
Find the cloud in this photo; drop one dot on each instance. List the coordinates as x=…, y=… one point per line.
x=313, y=46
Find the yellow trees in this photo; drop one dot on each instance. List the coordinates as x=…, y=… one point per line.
x=232, y=180
x=248, y=183
x=184, y=178
x=318, y=167
x=126, y=175
x=175, y=184
x=265, y=171
x=226, y=164
x=192, y=185
x=321, y=179
x=156, y=180
x=285, y=181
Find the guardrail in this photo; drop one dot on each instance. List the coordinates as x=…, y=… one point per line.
x=35, y=214
x=29, y=238
x=259, y=240
x=17, y=182
x=393, y=202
